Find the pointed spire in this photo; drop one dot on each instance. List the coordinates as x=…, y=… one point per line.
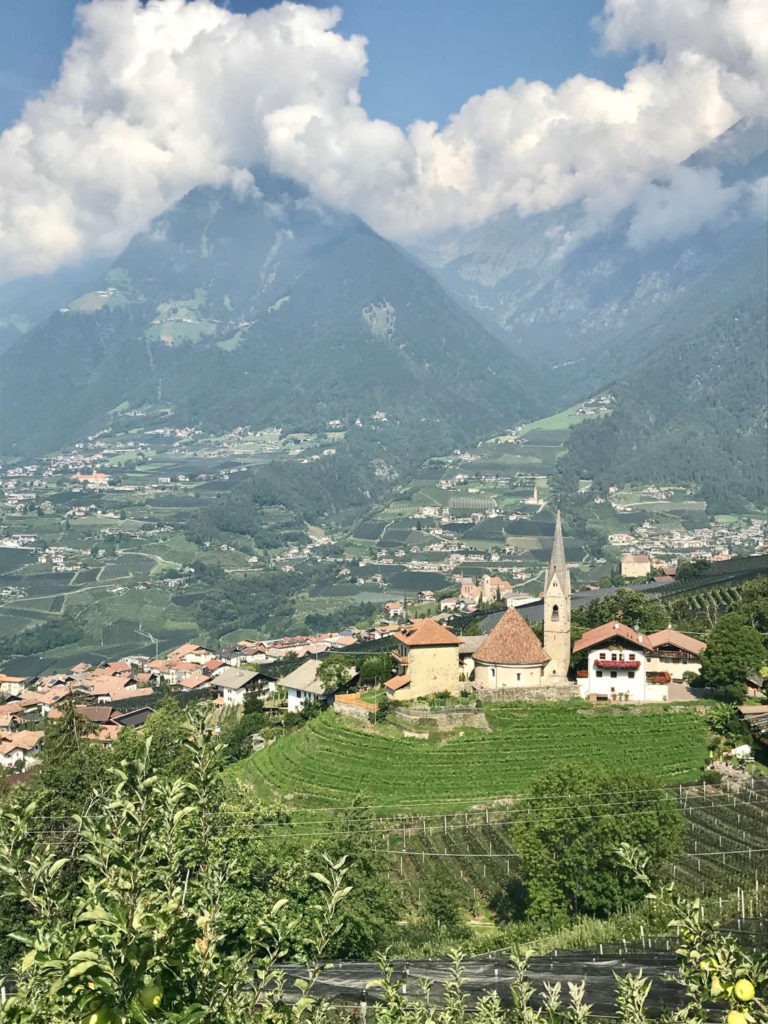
x=557, y=563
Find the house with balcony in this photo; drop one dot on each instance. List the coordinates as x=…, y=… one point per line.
x=618, y=665
x=675, y=653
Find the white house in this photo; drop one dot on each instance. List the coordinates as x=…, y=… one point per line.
x=20, y=747
x=617, y=665
x=233, y=683
x=303, y=686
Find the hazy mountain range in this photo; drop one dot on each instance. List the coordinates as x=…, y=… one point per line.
x=269, y=308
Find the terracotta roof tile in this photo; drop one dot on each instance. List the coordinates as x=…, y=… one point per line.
x=611, y=631
x=511, y=642
x=426, y=633
x=676, y=639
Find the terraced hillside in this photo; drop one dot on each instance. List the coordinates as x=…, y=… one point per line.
x=331, y=760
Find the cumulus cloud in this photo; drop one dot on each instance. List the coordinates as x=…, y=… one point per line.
x=153, y=99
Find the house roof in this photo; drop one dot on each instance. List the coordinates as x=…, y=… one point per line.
x=611, y=631
x=234, y=678
x=398, y=682
x=426, y=633
x=469, y=644
x=25, y=739
x=673, y=638
x=511, y=642
x=635, y=559
x=195, y=680
x=305, y=678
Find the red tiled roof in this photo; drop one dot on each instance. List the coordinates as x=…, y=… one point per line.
x=611, y=631
x=511, y=642
x=397, y=682
x=673, y=638
x=426, y=633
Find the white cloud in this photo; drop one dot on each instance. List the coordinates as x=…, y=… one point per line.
x=154, y=99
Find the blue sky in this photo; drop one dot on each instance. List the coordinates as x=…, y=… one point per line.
x=426, y=57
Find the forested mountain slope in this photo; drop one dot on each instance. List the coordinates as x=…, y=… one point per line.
x=691, y=396
x=263, y=310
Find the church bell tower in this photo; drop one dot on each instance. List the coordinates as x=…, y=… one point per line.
x=557, y=612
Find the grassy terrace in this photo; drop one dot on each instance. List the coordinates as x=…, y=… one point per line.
x=331, y=760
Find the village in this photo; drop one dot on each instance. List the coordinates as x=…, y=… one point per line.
x=427, y=658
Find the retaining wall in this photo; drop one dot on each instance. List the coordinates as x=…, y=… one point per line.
x=534, y=694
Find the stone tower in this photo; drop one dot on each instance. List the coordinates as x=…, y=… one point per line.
x=557, y=612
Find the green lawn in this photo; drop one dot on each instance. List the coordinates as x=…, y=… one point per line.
x=329, y=761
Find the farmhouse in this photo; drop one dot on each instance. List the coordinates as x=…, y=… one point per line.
x=675, y=653
x=427, y=659
x=617, y=665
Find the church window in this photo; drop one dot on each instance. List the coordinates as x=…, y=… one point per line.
x=518, y=677
x=492, y=673
x=555, y=613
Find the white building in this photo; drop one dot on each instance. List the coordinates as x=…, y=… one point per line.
x=303, y=686
x=617, y=665
x=233, y=683
x=20, y=748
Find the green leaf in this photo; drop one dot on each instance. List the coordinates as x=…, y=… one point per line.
x=28, y=959
x=81, y=968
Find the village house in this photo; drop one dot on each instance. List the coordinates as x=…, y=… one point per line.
x=617, y=665
x=303, y=686
x=635, y=566
x=675, y=653
x=231, y=685
x=20, y=750
x=427, y=658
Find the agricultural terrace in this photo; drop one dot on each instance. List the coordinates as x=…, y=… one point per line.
x=331, y=760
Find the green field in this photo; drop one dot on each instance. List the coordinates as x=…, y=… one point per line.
x=330, y=761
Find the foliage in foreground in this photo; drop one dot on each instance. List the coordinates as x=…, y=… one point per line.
x=138, y=914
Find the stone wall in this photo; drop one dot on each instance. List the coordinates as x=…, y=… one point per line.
x=535, y=694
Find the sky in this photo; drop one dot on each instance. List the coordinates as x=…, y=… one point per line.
x=426, y=56
x=422, y=117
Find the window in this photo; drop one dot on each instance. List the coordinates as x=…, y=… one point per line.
x=518, y=677
x=631, y=675
x=555, y=613
x=599, y=674
x=492, y=673
x=614, y=674
x=614, y=656
x=602, y=654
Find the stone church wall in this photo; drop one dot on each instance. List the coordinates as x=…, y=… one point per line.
x=534, y=693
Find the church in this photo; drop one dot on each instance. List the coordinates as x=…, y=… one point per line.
x=512, y=655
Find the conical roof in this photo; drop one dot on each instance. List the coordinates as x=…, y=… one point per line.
x=557, y=563
x=511, y=642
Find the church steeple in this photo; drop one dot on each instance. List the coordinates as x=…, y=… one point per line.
x=557, y=611
x=557, y=563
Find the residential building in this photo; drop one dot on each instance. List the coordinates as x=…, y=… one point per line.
x=635, y=566
x=427, y=656
x=20, y=748
x=303, y=686
x=232, y=684
x=617, y=665
x=675, y=653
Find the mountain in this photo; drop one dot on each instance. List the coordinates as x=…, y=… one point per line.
x=560, y=304
x=25, y=301
x=257, y=310
x=694, y=405
x=674, y=328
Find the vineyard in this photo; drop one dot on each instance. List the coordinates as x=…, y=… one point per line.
x=726, y=850
x=330, y=762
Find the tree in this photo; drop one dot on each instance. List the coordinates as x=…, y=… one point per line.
x=631, y=607
x=147, y=933
x=568, y=831
x=734, y=649
x=333, y=672
x=374, y=669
